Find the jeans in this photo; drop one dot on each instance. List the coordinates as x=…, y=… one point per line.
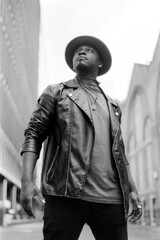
x=64, y=219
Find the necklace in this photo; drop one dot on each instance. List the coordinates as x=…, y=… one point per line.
x=90, y=96
x=92, y=100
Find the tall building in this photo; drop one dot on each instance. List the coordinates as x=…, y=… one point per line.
x=141, y=127
x=19, y=49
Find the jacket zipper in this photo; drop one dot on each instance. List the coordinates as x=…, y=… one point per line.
x=51, y=166
x=89, y=157
x=69, y=152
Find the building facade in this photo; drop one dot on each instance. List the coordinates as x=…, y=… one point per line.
x=141, y=129
x=19, y=49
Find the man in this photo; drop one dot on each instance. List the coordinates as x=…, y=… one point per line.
x=85, y=174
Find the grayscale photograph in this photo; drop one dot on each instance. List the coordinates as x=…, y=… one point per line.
x=80, y=119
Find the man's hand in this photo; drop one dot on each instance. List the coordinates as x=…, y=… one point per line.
x=136, y=211
x=29, y=191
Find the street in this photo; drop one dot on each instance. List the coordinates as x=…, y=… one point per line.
x=34, y=231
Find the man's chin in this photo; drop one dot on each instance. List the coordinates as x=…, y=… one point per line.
x=81, y=68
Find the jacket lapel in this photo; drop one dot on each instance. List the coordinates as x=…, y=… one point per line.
x=114, y=117
x=79, y=97
x=114, y=113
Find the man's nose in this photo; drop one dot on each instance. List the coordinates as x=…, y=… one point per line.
x=82, y=52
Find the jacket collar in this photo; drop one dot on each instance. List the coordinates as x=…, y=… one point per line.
x=76, y=96
x=115, y=114
x=73, y=83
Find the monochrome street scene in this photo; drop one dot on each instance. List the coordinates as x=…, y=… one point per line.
x=35, y=40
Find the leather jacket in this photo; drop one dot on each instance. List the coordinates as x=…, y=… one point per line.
x=63, y=121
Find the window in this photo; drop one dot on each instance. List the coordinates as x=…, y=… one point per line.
x=148, y=153
x=138, y=118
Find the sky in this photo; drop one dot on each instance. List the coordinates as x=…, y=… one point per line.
x=130, y=29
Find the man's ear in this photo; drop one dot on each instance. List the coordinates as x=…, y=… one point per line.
x=100, y=64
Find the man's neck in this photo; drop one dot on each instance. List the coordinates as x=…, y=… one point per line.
x=86, y=76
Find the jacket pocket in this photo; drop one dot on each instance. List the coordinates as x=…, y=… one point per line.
x=51, y=170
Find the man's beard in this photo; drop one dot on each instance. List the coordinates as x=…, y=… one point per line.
x=82, y=68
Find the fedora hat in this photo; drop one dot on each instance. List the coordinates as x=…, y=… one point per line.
x=96, y=43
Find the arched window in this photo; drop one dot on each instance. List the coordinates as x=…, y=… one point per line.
x=158, y=105
x=138, y=133
x=148, y=154
x=139, y=146
x=138, y=118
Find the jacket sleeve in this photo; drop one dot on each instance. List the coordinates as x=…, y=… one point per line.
x=39, y=124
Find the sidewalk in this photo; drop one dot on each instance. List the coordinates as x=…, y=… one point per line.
x=25, y=220
x=33, y=230
x=138, y=232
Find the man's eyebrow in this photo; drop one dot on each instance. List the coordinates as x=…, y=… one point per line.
x=78, y=48
x=87, y=47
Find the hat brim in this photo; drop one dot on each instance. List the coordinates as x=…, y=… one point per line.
x=96, y=43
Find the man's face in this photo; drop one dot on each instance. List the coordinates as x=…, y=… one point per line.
x=86, y=59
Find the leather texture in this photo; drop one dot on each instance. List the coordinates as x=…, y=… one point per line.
x=63, y=121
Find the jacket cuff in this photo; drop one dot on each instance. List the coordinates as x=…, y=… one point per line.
x=31, y=146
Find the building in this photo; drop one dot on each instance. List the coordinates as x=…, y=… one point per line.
x=19, y=49
x=141, y=130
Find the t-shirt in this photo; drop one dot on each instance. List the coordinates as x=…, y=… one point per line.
x=102, y=184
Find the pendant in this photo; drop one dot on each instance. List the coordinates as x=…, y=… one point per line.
x=93, y=107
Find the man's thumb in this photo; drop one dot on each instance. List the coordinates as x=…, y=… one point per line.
x=40, y=197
